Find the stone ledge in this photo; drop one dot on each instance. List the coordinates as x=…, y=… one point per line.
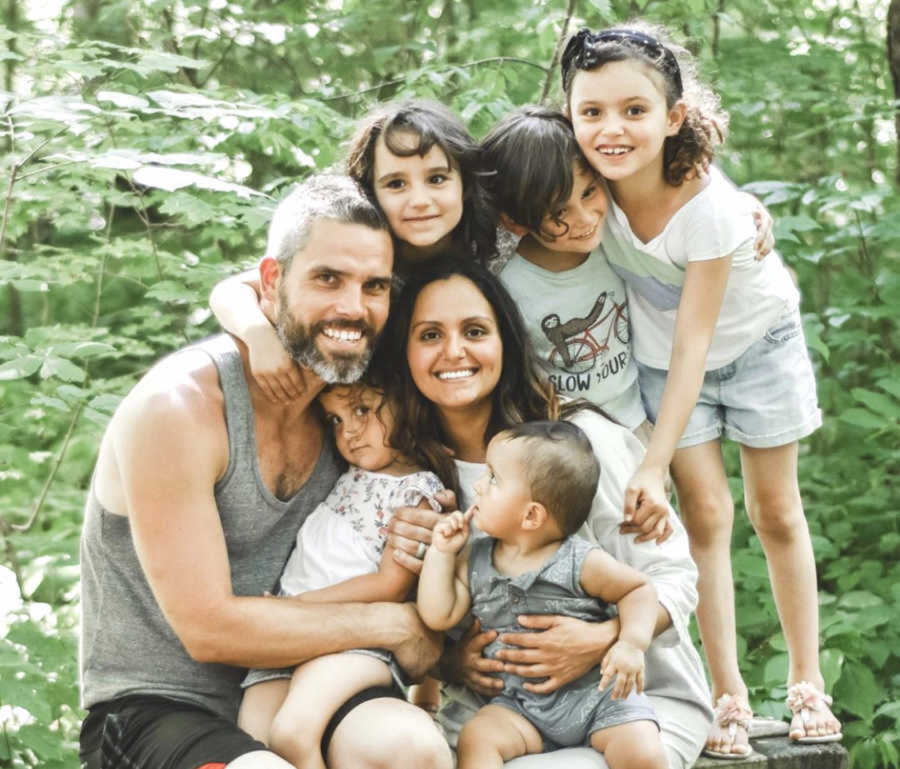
x=781, y=753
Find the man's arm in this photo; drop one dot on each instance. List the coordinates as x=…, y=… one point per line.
x=169, y=447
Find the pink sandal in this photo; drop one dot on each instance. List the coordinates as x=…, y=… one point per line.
x=732, y=713
x=802, y=698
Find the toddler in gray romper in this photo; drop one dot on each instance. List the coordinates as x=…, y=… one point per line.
x=539, y=483
x=572, y=713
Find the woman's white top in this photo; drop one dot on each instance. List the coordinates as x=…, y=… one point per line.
x=715, y=223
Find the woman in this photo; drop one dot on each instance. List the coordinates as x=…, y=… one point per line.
x=467, y=370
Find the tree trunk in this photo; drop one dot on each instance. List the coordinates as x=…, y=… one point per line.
x=893, y=54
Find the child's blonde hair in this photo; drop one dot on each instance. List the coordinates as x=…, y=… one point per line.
x=705, y=124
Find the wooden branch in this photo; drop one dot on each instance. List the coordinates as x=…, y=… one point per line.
x=218, y=63
x=189, y=74
x=893, y=55
x=39, y=503
x=557, y=51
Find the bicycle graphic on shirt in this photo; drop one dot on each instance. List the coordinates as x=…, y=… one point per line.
x=580, y=342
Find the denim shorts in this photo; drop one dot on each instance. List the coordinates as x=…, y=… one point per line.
x=764, y=398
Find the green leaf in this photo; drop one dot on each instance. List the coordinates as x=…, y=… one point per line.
x=20, y=367
x=832, y=662
x=890, y=710
x=171, y=291
x=41, y=740
x=859, y=599
x=862, y=418
x=776, y=670
x=171, y=179
x=877, y=402
x=857, y=690
x=891, y=386
x=62, y=369
x=800, y=223
x=83, y=349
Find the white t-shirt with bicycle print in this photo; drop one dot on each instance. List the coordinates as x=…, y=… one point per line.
x=578, y=323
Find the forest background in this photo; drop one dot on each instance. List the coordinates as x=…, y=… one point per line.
x=146, y=141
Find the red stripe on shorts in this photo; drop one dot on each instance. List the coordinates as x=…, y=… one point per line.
x=216, y=765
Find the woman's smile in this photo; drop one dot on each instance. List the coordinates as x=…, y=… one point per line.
x=454, y=348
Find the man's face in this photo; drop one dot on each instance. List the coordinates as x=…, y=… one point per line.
x=333, y=301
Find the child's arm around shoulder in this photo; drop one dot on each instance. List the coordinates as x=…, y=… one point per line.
x=235, y=303
x=443, y=597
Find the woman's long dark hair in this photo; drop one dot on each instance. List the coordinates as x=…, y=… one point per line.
x=523, y=392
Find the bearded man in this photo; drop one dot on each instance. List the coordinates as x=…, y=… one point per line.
x=200, y=487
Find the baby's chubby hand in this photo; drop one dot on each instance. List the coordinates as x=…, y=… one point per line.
x=624, y=664
x=452, y=532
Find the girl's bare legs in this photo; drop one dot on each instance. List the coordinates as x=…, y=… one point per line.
x=318, y=688
x=259, y=706
x=494, y=735
x=707, y=511
x=388, y=733
x=635, y=745
x=772, y=496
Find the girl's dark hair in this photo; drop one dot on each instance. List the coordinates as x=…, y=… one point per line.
x=374, y=378
x=528, y=159
x=705, y=124
x=522, y=394
x=433, y=125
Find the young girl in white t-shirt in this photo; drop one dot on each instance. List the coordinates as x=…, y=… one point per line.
x=720, y=350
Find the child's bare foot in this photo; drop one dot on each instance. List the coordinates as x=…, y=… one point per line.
x=812, y=719
x=729, y=734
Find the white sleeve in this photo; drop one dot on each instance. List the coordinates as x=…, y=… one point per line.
x=720, y=223
x=669, y=564
x=415, y=487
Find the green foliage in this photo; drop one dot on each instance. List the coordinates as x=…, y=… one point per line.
x=145, y=143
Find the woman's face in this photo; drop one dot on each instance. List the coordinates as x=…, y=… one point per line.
x=420, y=196
x=454, y=348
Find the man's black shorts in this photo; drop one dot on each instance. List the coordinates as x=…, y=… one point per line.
x=149, y=732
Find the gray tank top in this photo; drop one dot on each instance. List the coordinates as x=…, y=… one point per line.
x=127, y=647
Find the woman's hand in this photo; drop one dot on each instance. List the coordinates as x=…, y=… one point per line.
x=471, y=667
x=646, y=506
x=272, y=367
x=412, y=526
x=563, y=650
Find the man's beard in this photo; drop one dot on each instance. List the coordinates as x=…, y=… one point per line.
x=300, y=342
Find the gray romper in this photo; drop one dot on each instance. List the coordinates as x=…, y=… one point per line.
x=568, y=716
